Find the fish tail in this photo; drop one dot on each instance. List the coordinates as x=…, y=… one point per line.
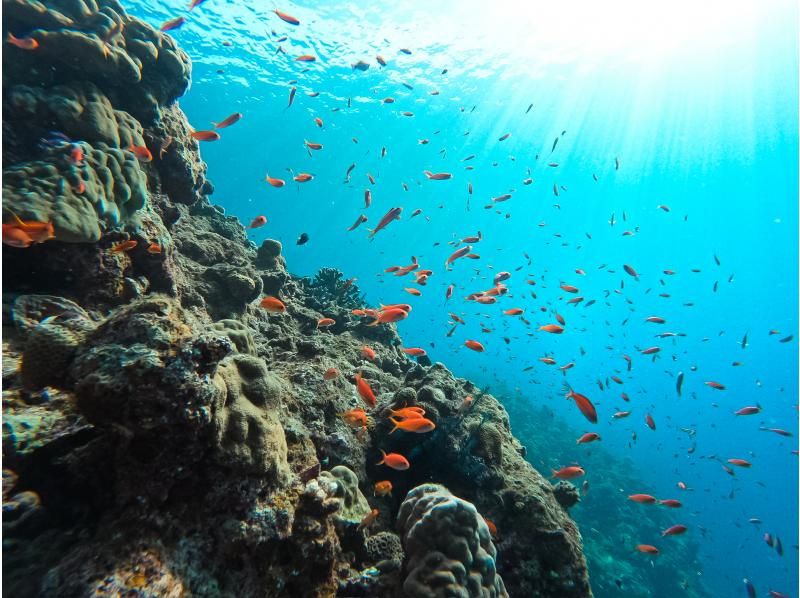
x=383, y=460
x=396, y=424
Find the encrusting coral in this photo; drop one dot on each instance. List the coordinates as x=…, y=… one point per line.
x=165, y=421
x=449, y=547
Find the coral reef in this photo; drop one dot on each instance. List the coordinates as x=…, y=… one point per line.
x=164, y=435
x=450, y=550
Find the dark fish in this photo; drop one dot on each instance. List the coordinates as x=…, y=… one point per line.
x=555, y=143
x=292, y=92
x=444, y=71
x=749, y=588
x=349, y=170
x=616, y=163
x=302, y=239
x=594, y=176
x=679, y=383
x=786, y=339
x=407, y=86
x=716, y=285
x=744, y=341
x=405, y=51
x=529, y=109
x=360, y=66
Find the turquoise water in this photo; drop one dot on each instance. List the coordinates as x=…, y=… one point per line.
x=692, y=108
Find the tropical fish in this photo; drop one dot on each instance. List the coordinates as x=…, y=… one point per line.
x=277, y=183
x=356, y=418
x=360, y=220
x=419, y=425
x=474, y=345
x=165, y=26
x=365, y=391
x=258, y=222
x=584, y=405
x=437, y=176
x=286, y=17
x=394, y=460
x=205, y=135
x=124, y=246
x=273, y=304
x=568, y=473
x=391, y=215
x=383, y=488
x=231, y=120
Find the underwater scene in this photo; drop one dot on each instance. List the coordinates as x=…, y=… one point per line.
x=417, y=299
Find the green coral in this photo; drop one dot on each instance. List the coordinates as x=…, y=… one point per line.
x=80, y=110
x=82, y=200
x=344, y=487
x=248, y=433
x=329, y=287
x=239, y=334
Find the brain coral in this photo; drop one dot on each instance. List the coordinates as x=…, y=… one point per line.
x=448, y=545
x=104, y=191
x=353, y=504
x=239, y=334
x=139, y=67
x=247, y=429
x=79, y=110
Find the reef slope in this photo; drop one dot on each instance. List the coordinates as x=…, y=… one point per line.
x=162, y=432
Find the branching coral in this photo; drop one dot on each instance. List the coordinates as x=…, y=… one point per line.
x=328, y=287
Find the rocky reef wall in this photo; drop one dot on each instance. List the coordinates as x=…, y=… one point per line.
x=164, y=434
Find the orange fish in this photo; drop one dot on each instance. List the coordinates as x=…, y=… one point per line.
x=141, y=152
x=312, y=145
x=740, y=462
x=514, y=311
x=568, y=288
x=408, y=412
x=277, y=183
x=671, y=502
x=273, y=304
x=325, y=322
x=650, y=350
x=715, y=385
x=364, y=391
x=568, y=473
x=655, y=320
x=391, y=215
x=394, y=460
x=25, y=43
x=584, y=405
x=368, y=519
x=389, y=316
x=651, y=423
x=437, y=176
x=674, y=530
x=355, y=418
x=306, y=58
x=154, y=249
x=124, y=246
x=303, y=177
x=195, y=3
x=420, y=425
x=172, y=24
x=644, y=499
x=231, y=120
x=205, y=135
x=15, y=237
x=588, y=437
x=413, y=351
x=560, y=319
x=552, y=328
x=647, y=549
x=258, y=222
x=330, y=374
x=368, y=353
x=39, y=232
x=474, y=345
x=388, y=100
x=466, y=404
x=286, y=17
x=492, y=527
x=547, y=360
x=415, y=292
x=383, y=488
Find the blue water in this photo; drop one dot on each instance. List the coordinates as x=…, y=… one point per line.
x=699, y=107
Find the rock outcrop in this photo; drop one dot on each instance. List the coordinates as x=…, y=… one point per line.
x=166, y=436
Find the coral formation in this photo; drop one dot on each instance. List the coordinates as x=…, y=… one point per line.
x=450, y=551
x=165, y=432
x=344, y=482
